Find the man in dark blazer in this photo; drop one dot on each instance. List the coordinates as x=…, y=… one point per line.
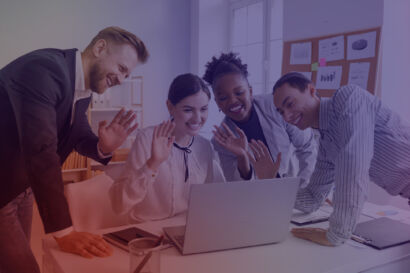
x=44, y=96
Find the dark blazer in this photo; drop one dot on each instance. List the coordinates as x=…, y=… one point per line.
x=36, y=97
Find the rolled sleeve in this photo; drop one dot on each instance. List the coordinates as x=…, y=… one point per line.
x=305, y=150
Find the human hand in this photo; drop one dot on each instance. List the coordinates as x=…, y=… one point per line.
x=316, y=235
x=262, y=161
x=236, y=145
x=113, y=136
x=162, y=140
x=84, y=244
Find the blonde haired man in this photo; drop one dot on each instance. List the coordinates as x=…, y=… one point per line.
x=43, y=98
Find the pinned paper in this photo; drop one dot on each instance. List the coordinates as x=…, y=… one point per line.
x=332, y=49
x=314, y=66
x=361, y=46
x=300, y=53
x=328, y=77
x=359, y=74
x=322, y=62
x=308, y=75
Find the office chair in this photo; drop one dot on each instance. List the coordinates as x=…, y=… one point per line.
x=90, y=205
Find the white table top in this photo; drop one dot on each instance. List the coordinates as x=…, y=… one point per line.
x=292, y=255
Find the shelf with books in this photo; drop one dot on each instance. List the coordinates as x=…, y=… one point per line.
x=105, y=106
x=75, y=168
x=118, y=159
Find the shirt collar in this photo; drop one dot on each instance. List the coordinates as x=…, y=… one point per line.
x=79, y=88
x=80, y=91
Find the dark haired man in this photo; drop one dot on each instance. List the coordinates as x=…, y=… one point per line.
x=361, y=140
x=43, y=99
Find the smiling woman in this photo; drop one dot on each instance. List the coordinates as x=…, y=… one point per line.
x=187, y=103
x=166, y=159
x=253, y=119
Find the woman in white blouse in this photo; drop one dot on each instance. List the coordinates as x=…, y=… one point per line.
x=166, y=159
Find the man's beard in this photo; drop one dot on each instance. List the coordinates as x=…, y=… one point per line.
x=96, y=78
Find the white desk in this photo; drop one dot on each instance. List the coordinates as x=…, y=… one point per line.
x=292, y=256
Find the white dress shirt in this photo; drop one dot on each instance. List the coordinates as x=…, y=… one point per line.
x=361, y=140
x=146, y=195
x=80, y=92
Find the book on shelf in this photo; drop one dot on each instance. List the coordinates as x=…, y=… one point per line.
x=75, y=161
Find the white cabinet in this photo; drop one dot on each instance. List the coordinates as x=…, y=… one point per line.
x=107, y=105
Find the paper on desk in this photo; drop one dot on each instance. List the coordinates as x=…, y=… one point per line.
x=301, y=217
x=355, y=244
x=377, y=211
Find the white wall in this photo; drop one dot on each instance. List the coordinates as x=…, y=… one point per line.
x=162, y=24
x=395, y=80
x=305, y=19
x=395, y=71
x=210, y=34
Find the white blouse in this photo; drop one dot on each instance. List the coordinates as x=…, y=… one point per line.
x=146, y=195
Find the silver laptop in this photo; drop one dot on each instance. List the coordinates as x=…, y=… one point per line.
x=236, y=214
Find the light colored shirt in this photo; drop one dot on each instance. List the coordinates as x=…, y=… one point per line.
x=361, y=140
x=280, y=137
x=80, y=92
x=146, y=195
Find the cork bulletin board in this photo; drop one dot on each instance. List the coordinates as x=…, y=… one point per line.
x=335, y=60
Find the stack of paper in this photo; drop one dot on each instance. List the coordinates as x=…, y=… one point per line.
x=321, y=215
